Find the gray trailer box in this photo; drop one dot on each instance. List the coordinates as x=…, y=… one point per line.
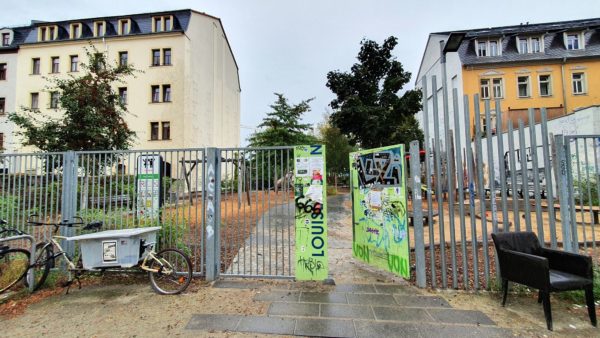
x=114, y=248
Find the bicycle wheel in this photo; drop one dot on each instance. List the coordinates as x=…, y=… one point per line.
x=43, y=264
x=14, y=264
x=174, y=272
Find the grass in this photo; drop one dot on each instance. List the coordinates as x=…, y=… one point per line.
x=579, y=296
x=12, y=267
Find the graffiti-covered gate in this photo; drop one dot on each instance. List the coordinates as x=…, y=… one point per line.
x=379, y=213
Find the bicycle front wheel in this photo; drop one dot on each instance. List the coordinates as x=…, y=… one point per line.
x=14, y=264
x=43, y=264
x=173, y=272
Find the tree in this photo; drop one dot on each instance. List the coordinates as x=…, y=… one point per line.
x=92, y=113
x=368, y=108
x=282, y=126
x=338, y=150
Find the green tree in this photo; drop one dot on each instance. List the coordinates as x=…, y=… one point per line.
x=282, y=126
x=92, y=113
x=338, y=149
x=368, y=108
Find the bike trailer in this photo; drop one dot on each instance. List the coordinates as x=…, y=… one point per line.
x=114, y=248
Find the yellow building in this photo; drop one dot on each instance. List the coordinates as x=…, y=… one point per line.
x=187, y=94
x=552, y=65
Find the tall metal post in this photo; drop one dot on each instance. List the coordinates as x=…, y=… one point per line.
x=212, y=186
x=415, y=174
x=69, y=198
x=562, y=176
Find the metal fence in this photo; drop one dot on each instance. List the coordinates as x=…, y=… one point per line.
x=503, y=182
x=230, y=209
x=257, y=212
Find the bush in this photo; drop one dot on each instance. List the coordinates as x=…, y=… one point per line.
x=581, y=192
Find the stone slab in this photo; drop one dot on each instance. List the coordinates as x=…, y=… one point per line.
x=394, y=288
x=355, y=288
x=461, y=331
x=272, y=325
x=278, y=296
x=212, y=322
x=294, y=309
x=379, y=329
x=370, y=299
x=324, y=327
x=346, y=311
x=324, y=297
x=402, y=314
x=460, y=316
x=421, y=301
x=227, y=284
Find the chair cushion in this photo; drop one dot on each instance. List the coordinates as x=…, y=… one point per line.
x=560, y=280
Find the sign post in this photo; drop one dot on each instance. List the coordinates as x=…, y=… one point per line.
x=310, y=198
x=148, y=186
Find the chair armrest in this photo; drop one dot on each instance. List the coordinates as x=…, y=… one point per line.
x=522, y=268
x=576, y=264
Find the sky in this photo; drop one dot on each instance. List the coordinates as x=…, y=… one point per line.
x=289, y=46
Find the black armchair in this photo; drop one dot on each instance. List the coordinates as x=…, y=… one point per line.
x=522, y=260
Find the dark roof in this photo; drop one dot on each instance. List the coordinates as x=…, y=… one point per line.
x=553, y=42
x=19, y=35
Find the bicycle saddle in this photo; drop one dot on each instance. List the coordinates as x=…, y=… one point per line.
x=97, y=225
x=2, y=222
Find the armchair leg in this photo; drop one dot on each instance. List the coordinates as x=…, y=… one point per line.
x=547, y=309
x=504, y=291
x=589, y=298
x=539, y=297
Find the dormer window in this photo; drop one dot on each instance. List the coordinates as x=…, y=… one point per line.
x=124, y=26
x=574, y=41
x=526, y=45
x=75, y=31
x=5, y=39
x=47, y=33
x=488, y=48
x=99, y=28
x=162, y=23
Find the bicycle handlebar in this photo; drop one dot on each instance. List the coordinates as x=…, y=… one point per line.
x=63, y=223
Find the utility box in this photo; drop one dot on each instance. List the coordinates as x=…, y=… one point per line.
x=114, y=248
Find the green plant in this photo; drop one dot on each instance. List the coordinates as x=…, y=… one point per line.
x=579, y=296
x=584, y=189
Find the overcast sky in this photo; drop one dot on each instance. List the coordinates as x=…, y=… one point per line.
x=289, y=46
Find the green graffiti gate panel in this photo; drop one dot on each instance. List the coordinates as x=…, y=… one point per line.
x=310, y=192
x=379, y=215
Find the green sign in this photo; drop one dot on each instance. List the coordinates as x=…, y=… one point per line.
x=310, y=198
x=379, y=215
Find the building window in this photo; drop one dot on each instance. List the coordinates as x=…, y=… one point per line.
x=54, y=100
x=5, y=39
x=497, y=88
x=166, y=93
x=523, y=46
x=155, y=94
x=99, y=29
x=75, y=31
x=158, y=24
x=523, y=86
x=42, y=34
x=35, y=100
x=124, y=27
x=74, y=63
x=545, y=88
x=572, y=41
x=493, y=48
x=482, y=49
x=35, y=66
x=578, y=83
x=2, y=105
x=55, y=64
x=123, y=56
x=51, y=31
x=166, y=130
x=485, y=88
x=156, y=57
x=153, y=131
x=167, y=56
x=123, y=95
x=2, y=71
x=535, y=45
x=1, y=141
x=168, y=23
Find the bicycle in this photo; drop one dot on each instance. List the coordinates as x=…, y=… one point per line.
x=169, y=270
x=14, y=262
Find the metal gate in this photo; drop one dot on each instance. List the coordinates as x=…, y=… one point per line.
x=257, y=212
x=510, y=174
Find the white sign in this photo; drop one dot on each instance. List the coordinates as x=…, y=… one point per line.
x=148, y=186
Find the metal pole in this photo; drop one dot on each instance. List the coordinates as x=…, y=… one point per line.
x=563, y=192
x=548, y=178
x=212, y=188
x=415, y=173
x=461, y=190
x=471, y=185
x=536, y=177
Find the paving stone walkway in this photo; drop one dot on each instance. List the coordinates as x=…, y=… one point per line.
x=349, y=310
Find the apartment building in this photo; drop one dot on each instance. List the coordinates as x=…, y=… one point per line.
x=186, y=95
x=553, y=65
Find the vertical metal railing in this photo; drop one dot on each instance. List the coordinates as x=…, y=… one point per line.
x=257, y=212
